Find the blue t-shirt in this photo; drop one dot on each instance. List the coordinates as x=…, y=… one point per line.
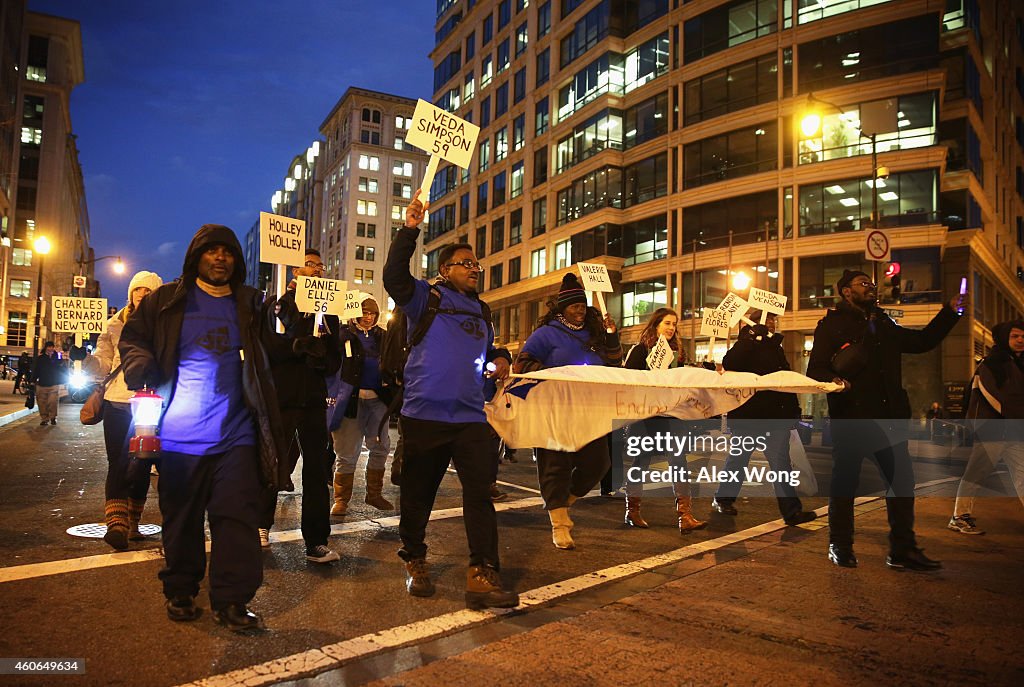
x=370, y=376
x=207, y=413
x=444, y=379
x=555, y=345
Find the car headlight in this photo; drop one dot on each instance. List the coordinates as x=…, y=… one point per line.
x=78, y=380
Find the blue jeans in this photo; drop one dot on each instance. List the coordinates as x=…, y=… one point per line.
x=349, y=437
x=776, y=452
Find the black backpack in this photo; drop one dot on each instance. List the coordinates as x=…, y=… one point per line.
x=396, y=343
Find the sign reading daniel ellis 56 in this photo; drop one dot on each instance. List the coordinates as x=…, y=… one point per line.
x=79, y=315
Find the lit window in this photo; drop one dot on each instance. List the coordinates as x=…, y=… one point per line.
x=21, y=288
x=367, y=185
x=358, y=276
x=369, y=276
x=403, y=169
x=399, y=142
x=31, y=135
x=538, y=262
x=396, y=212
x=22, y=257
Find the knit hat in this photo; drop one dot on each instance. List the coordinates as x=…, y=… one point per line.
x=149, y=280
x=571, y=292
x=368, y=302
x=849, y=276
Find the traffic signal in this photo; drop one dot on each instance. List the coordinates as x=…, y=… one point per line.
x=890, y=290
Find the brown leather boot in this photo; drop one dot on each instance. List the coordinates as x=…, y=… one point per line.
x=374, y=486
x=342, y=492
x=483, y=589
x=633, y=517
x=135, y=508
x=687, y=523
x=417, y=578
x=561, y=528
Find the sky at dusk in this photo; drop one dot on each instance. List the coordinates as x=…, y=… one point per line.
x=191, y=111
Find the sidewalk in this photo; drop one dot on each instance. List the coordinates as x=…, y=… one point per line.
x=772, y=611
x=12, y=406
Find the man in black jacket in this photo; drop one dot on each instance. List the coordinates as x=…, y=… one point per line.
x=858, y=345
x=48, y=374
x=198, y=341
x=301, y=361
x=767, y=415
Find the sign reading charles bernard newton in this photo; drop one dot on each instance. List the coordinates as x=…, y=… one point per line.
x=75, y=315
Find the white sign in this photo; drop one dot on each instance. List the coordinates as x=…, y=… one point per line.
x=442, y=134
x=893, y=313
x=353, y=306
x=594, y=277
x=79, y=315
x=768, y=301
x=735, y=306
x=877, y=246
x=715, y=323
x=319, y=295
x=661, y=356
x=78, y=281
x=282, y=240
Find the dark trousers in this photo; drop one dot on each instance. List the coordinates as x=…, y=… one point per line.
x=127, y=478
x=227, y=487
x=429, y=447
x=852, y=442
x=310, y=426
x=776, y=452
x=561, y=473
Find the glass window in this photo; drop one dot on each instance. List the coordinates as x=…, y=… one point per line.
x=746, y=216
x=501, y=144
x=538, y=262
x=640, y=299
x=499, y=183
x=504, y=13
x=543, y=67
x=603, y=130
x=517, y=180
x=733, y=88
x=544, y=19
x=586, y=33
x=470, y=46
x=501, y=100
x=819, y=274
x=503, y=56
x=481, y=200
x=813, y=10
x=540, y=165
x=727, y=26
x=646, y=121
x=514, y=270
x=515, y=227
x=497, y=235
x=485, y=112
x=21, y=257
x=519, y=85
x=468, y=87
x=646, y=63
x=496, y=281
x=21, y=288
x=645, y=240
x=480, y=247
x=518, y=132
x=488, y=29
x=905, y=199
x=17, y=328
x=540, y=216
x=541, y=116
x=522, y=38
x=563, y=254
x=728, y=156
x=484, y=155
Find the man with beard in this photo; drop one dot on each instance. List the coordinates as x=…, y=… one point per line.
x=857, y=345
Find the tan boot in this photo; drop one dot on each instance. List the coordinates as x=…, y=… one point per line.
x=633, y=517
x=116, y=513
x=483, y=589
x=417, y=578
x=684, y=502
x=135, y=508
x=374, y=486
x=342, y=492
x=561, y=528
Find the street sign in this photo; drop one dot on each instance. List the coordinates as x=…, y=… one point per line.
x=282, y=240
x=79, y=315
x=78, y=281
x=876, y=246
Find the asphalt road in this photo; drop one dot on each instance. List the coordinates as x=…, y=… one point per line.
x=64, y=596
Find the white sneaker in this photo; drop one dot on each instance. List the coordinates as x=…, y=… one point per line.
x=321, y=554
x=264, y=538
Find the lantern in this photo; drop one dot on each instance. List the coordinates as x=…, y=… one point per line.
x=146, y=408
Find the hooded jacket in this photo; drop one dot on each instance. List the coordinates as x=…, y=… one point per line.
x=761, y=357
x=149, y=344
x=876, y=391
x=997, y=391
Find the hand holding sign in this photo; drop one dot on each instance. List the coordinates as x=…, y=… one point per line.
x=661, y=356
x=594, y=277
x=444, y=136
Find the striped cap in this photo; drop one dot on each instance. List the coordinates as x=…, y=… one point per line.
x=571, y=292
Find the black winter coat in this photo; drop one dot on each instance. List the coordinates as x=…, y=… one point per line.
x=48, y=371
x=149, y=346
x=352, y=367
x=877, y=390
x=761, y=357
x=299, y=360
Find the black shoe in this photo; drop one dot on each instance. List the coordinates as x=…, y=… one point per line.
x=801, y=517
x=182, y=609
x=912, y=559
x=117, y=537
x=43, y=423
x=238, y=618
x=842, y=556
x=53, y=421
x=723, y=507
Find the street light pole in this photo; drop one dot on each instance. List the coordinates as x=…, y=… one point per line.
x=39, y=308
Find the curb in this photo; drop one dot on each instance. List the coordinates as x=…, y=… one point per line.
x=16, y=415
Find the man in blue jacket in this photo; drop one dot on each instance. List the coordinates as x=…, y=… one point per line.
x=443, y=411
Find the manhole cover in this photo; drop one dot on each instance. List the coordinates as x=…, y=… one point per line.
x=96, y=530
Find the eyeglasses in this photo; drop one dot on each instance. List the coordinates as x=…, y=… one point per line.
x=467, y=263
x=864, y=284
x=315, y=265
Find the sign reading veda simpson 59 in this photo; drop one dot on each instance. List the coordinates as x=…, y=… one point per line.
x=76, y=315
x=282, y=240
x=442, y=134
x=318, y=295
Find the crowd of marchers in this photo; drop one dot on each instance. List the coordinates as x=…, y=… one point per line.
x=251, y=383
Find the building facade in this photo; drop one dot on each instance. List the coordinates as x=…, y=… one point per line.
x=704, y=147
x=49, y=191
x=369, y=176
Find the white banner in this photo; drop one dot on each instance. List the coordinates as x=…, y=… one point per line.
x=565, y=408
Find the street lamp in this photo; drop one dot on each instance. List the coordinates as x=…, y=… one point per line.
x=41, y=247
x=119, y=266
x=811, y=123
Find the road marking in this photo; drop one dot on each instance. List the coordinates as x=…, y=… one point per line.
x=33, y=570
x=332, y=656
x=505, y=484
